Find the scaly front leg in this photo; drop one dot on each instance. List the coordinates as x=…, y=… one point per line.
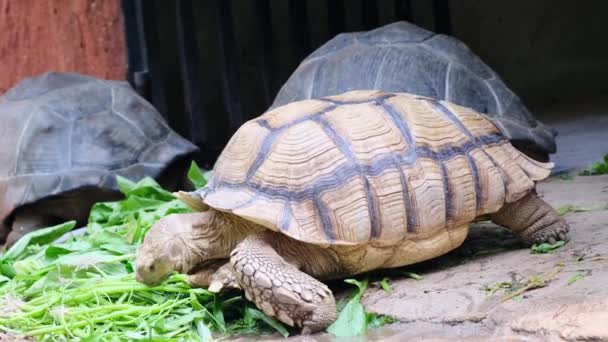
x=278, y=287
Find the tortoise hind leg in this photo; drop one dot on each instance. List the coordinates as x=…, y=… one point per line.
x=533, y=220
x=278, y=287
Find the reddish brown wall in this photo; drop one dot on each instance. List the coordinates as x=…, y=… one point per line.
x=60, y=35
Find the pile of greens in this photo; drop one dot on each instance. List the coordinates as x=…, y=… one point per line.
x=597, y=168
x=84, y=287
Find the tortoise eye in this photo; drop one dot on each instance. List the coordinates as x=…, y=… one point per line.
x=152, y=267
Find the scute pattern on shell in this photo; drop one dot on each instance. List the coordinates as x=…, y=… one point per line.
x=401, y=57
x=64, y=131
x=368, y=166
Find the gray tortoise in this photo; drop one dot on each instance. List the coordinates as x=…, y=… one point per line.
x=401, y=57
x=65, y=137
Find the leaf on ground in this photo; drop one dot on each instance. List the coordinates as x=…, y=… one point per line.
x=597, y=168
x=532, y=283
x=385, y=285
x=259, y=315
x=575, y=278
x=563, y=210
x=352, y=320
x=414, y=275
x=544, y=248
x=376, y=321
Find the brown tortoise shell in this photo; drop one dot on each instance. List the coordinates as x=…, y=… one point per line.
x=368, y=167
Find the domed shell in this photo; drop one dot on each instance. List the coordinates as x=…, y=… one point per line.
x=64, y=131
x=368, y=167
x=402, y=57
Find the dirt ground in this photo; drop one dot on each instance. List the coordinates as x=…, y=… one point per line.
x=452, y=301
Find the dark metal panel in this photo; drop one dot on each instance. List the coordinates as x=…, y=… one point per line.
x=299, y=29
x=190, y=74
x=370, y=14
x=335, y=17
x=136, y=46
x=229, y=66
x=403, y=10
x=265, y=49
x=441, y=11
x=147, y=59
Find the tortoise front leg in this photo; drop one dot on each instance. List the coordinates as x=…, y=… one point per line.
x=533, y=220
x=279, y=288
x=215, y=277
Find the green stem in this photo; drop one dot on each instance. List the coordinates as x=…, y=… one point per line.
x=107, y=317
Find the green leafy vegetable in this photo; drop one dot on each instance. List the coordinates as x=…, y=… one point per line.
x=38, y=237
x=597, y=168
x=352, y=320
x=413, y=275
x=258, y=315
x=85, y=288
x=577, y=209
x=544, y=248
x=376, y=321
x=196, y=176
x=575, y=278
x=385, y=285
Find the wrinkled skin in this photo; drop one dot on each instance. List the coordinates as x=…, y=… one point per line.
x=180, y=242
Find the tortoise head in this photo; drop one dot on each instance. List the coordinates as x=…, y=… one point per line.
x=178, y=243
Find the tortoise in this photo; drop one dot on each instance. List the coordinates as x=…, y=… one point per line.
x=337, y=186
x=65, y=137
x=402, y=57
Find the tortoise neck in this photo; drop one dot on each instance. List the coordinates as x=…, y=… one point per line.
x=233, y=229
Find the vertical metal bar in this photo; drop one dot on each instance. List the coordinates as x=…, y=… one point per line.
x=190, y=74
x=335, y=17
x=149, y=77
x=441, y=11
x=136, y=61
x=403, y=10
x=265, y=46
x=370, y=14
x=228, y=60
x=299, y=28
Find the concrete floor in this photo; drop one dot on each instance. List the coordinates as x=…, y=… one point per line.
x=583, y=133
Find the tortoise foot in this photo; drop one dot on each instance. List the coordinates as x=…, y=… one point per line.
x=551, y=234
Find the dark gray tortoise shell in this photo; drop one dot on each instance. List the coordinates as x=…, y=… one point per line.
x=401, y=57
x=65, y=131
